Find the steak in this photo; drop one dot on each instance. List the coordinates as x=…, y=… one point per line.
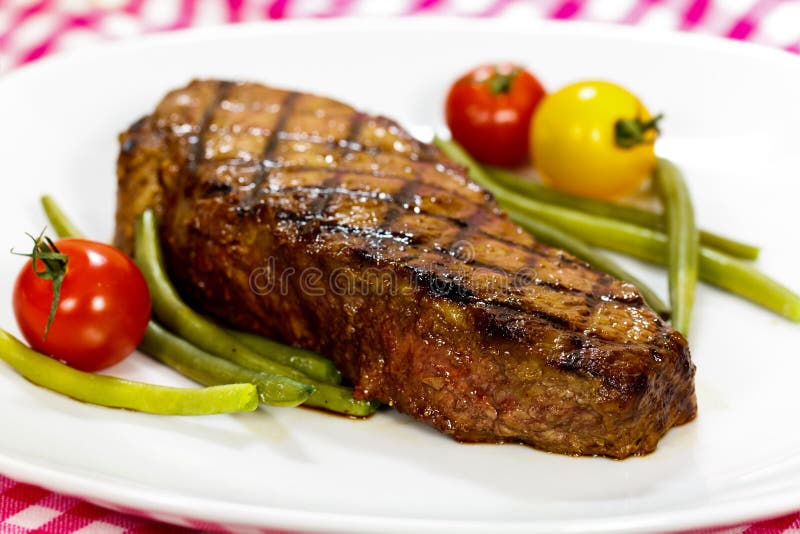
x=297, y=217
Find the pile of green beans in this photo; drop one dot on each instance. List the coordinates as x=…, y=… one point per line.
x=210, y=355
x=641, y=242
x=212, y=338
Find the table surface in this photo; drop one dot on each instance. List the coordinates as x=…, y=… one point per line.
x=31, y=29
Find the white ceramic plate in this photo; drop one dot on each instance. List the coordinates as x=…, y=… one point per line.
x=732, y=115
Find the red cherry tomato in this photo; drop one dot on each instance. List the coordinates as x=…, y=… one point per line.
x=489, y=111
x=102, y=312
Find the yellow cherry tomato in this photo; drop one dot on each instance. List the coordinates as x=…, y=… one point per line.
x=593, y=139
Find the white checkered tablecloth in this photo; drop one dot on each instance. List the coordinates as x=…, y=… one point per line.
x=31, y=29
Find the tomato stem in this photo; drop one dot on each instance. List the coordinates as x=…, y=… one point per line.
x=631, y=132
x=500, y=83
x=54, y=268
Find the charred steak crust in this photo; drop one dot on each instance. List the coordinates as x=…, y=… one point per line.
x=297, y=217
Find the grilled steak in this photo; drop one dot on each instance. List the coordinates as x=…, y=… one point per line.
x=297, y=217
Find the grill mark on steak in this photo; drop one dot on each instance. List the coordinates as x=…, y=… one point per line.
x=197, y=142
x=320, y=205
x=501, y=322
x=377, y=174
x=438, y=285
x=286, y=110
x=351, y=145
x=591, y=298
x=265, y=162
x=573, y=364
x=401, y=201
x=330, y=184
x=468, y=228
x=352, y=134
x=311, y=227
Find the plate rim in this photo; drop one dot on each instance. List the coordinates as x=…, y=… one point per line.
x=176, y=508
x=172, y=506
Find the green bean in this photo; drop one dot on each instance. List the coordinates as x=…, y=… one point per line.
x=738, y=277
x=208, y=336
x=557, y=238
x=309, y=363
x=684, y=245
x=731, y=247
x=209, y=370
x=118, y=393
x=643, y=243
x=613, y=210
x=62, y=226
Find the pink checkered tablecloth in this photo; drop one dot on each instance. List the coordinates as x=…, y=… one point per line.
x=31, y=29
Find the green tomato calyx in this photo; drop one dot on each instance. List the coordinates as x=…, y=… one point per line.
x=631, y=132
x=500, y=82
x=53, y=268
